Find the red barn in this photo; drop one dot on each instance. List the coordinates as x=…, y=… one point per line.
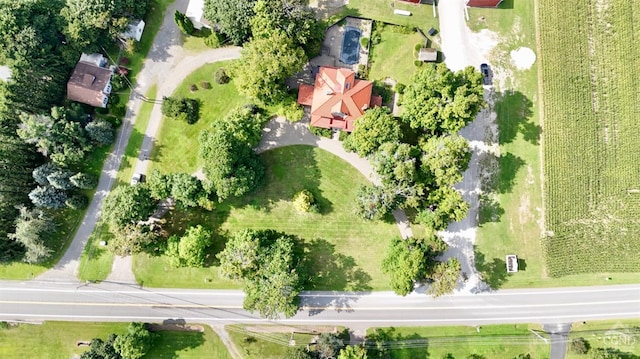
x=483, y=3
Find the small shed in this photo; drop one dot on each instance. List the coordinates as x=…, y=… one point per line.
x=402, y=12
x=483, y=3
x=134, y=30
x=428, y=54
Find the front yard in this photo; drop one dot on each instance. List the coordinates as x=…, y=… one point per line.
x=346, y=252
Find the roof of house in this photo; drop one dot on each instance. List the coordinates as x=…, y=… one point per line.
x=5, y=73
x=195, y=12
x=87, y=83
x=484, y=3
x=134, y=30
x=428, y=54
x=337, y=99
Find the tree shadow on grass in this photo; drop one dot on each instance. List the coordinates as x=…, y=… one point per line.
x=168, y=344
x=498, y=176
x=493, y=271
x=288, y=170
x=386, y=342
x=327, y=269
x=514, y=112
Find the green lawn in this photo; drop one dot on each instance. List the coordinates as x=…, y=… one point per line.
x=176, y=145
x=393, y=56
x=260, y=343
x=491, y=341
x=58, y=340
x=623, y=335
x=381, y=10
x=346, y=251
x=96, y=260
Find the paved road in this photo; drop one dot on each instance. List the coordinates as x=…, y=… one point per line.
x=559, y=337
x=36, y=300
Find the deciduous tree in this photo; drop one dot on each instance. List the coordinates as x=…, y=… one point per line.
x=444, y=277
x=374, y=202
x=328, y=345
x=233, y=17
x=127, y=205
x=440, y=101
x=135, y=343
x=445, y=158
x=375, y=127
x=265, y=64
x=190, y=250
x=186, y=189
x=398, y=166
x=353, y=352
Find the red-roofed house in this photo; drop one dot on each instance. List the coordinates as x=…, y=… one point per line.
x=483, y=3
x=337, y=99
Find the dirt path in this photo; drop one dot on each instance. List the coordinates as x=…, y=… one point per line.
x=461, y=48
x=226, y=339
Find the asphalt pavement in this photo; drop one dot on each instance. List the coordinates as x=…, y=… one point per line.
x=38, y=300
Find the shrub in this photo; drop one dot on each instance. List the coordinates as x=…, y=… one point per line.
x=290, y=110
x=181, y=109
x=221, y=77
x=205, y=85
x=401, y=29
x=383, y=90
x=114, y=121
x=130, y=46
x=118, y=110
x=193, y=88
x=118, y=83
x=102, y=110
x=83, y=180
x=77, y=201
x=320, y=132
x=579, y=346
x=364, y=42
x=303, y=201
x=122, y=71
x=124, y=61
x=184, y=23
x=416, y=48
x=100, y=131
x=343, y=135
x=400, y=88
x=113, y=100
x=418, y=63
x=214, y=40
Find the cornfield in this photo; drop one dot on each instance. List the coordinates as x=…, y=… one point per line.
x=591, y=101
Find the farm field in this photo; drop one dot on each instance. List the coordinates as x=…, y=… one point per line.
x=590, y=105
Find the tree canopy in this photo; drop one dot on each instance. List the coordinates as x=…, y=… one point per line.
x=270, y=267
x=233, y=17
x=190, y=250
x=445, y=158
x=444, y=277
x=296, y=20
x=264, y=65
x=135, y=343
x=231, y=165
x=440, y=101
x=375, y=127
x=127, y=205
x=33, y=229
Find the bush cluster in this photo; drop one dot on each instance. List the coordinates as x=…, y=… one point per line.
x=221, y=77
x=184, y=23
x=184, y=109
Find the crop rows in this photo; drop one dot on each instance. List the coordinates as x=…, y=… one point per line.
x=591, y=102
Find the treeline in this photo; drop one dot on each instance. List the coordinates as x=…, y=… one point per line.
x=43, y=138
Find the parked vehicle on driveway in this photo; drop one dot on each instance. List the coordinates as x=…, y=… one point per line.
x=137, y=177
x=486, y=77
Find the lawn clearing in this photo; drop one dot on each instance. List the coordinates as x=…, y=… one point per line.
x=346, y=251
x=382, y=10
x=592, y=185
x=271, y=342
x=489, y=341
x=176, y=145
x=58, y=340
x=96, y=261
x=393, y=56
x=623, y=335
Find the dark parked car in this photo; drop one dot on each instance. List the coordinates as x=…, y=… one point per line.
x=484, y=69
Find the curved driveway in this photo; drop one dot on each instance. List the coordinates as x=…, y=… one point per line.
x=165, y=57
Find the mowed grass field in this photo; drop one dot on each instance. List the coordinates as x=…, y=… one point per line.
x=57, y=340
x=346, y=252
x=591, y=135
